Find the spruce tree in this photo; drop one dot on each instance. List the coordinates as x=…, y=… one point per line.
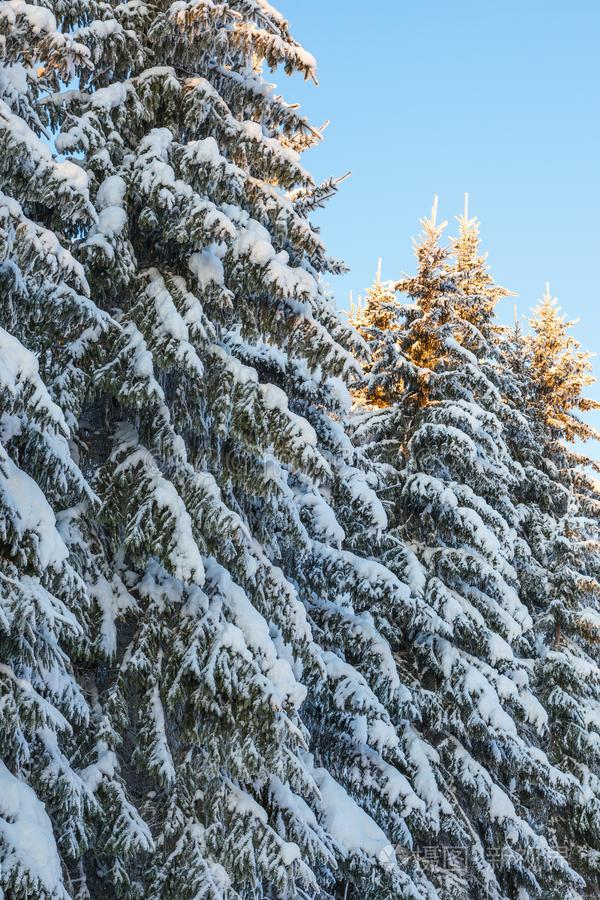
x=560, y=372
x=559, y=521
x=438, y=436
x=245, y=704
x=49, y=325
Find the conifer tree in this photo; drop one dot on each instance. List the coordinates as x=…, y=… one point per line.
x=559, y=520
x=49, y=324
x=375, y=320
x=560, y=372
x=245, y=702
x=440, y=446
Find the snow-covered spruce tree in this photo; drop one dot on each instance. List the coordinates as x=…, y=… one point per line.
x=560, y=372
x=244, y=700
x=435, y=436
x=49, y=723
x=558, y=513
x=375, y=318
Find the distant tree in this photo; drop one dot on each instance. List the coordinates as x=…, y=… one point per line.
x=560, y=372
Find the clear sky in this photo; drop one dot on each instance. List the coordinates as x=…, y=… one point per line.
x=436, y=97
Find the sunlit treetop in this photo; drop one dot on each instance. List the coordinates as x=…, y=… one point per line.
x=560, y=370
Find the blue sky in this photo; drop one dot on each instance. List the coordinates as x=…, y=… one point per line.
x=435, y=97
